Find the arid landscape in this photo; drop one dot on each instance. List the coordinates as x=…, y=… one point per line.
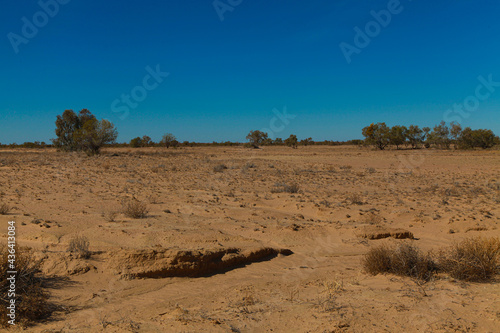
x=251, y=240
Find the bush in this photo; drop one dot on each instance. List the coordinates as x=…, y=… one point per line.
x=31, y=299
x=80, y=246
x=285, y=188
x=473, y=259
x=4, y=209
x=220, y=168
x=135, y=209
x=403, y=260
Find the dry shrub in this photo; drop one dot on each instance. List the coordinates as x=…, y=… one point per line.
x=473, y=259
x=220, y=168
x=31, y=299
x=80, y=246
x=404, y=259
x=4, y=209
x=135, y=209
x=355, y=199
x=110, y=215
x=285, y=188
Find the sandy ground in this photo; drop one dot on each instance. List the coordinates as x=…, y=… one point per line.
x=196, y=212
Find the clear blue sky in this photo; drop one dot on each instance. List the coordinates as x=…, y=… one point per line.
x=226, y=76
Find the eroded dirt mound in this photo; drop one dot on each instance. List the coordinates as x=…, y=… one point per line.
x=175, y=263
x=373, y=232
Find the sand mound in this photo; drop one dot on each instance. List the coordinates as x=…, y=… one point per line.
x=383, y=232
x=160, y=263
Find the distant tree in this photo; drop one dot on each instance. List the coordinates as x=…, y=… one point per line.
x=455, y=132
x=83, y=132
x=94, y=134
x=306, y=142
x=292, y=141
x=256, y=138
x=398, y=135
x=146, y=141
x=480, y=138
x=440, y=136
x=267, y=142
x=415, y=136
x=168, y=140
x=377, y=135
x=136, y=142
x=66, y=125
x=278, y=141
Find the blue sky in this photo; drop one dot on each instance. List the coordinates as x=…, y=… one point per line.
x=227, y=76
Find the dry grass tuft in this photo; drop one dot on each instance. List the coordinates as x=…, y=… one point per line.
x=285, y=188
x=31, y=299
x=404, y=260
x=473, y=259
x=220, y=168
x=354, y=198
x=80, y=246
x=135, y=209
x=4, y=209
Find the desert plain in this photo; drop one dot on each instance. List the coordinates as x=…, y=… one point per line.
x=252, y=240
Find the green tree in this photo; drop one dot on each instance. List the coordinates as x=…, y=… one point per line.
x=136, y=142
x=83, y=132
x=94, y=134
x=455, y=132
x=398, y=135
x=66, y=125
x=440, y=136
x=256, y=138
x=146, y=141
x=278, y=141
x=415, y=136
x=377, y=135
x=168, y=140
x=306, y=142
x=292, y=141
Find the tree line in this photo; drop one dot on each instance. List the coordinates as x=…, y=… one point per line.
x=441, y=136
x=84, y=132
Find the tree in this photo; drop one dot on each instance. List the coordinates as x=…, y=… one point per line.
x=83, y=132
x=168, y=140
x=256, y=138
x=455, y=132
x=278, y=141
x=306, y=142
x=481, y=138
x=415, y=136
x=292, y=141
x=136, y=142
x=94, y=134
x=146, y=141
x=440, y=136
x=377, y=134
x=398, y=135
x=66, y=125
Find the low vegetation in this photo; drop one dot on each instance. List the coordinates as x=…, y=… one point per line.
x=404, y=259
x=31, y=298
x=442, y=136
x=135, y=209
x=79, y=245
x=473, y=259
